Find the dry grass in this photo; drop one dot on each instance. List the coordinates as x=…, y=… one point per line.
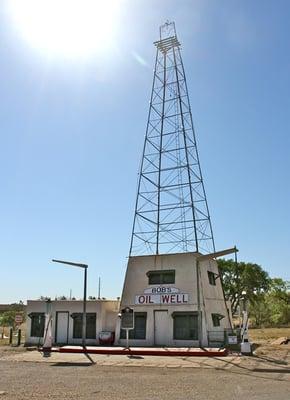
x=268, y=334
x=265, y=335
x=5, y=340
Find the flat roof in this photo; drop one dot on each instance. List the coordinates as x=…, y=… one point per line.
x=195, y=253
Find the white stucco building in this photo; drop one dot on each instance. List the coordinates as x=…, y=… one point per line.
x=177, y=300
x=67, y=320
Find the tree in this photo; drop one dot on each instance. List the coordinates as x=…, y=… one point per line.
x=7, y=318
x=44, y=298
x=243, y=277
x=19, y=307
x=273, y=309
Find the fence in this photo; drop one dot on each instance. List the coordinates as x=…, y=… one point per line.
x=221, y=338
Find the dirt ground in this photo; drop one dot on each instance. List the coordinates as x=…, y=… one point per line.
x=264, y=376
x=84, y=382
x=27, y=375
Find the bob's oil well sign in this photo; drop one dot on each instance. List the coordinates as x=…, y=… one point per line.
x=161, y=295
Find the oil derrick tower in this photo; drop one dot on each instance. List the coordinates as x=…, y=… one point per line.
x=172, y=281
x=171, y=213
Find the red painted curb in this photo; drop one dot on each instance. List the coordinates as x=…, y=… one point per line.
x=170, y=352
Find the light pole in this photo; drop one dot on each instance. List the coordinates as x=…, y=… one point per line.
x=85, y=267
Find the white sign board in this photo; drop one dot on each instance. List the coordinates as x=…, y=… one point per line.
x=166, y=298
x=232, y=339
x=161, y=289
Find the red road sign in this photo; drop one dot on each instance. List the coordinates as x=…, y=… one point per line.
x=18, y=319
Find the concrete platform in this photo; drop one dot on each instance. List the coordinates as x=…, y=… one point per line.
x=144, y=351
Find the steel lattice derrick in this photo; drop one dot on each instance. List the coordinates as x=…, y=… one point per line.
x=171, y=211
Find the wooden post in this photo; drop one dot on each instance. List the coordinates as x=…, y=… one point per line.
x=10, y=335
x=19, y=337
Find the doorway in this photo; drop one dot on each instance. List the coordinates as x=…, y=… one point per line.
x=161, y=328
x=62, y=320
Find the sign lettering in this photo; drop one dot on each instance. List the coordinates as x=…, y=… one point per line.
x=161, y=289
x=175, y=298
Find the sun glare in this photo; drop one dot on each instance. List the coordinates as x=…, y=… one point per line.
x=70, y=28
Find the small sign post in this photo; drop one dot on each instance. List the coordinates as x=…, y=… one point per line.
x=232, y=339
x=18, y=319
x=127, y=322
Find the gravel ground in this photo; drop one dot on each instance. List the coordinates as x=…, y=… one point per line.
x=253, y=378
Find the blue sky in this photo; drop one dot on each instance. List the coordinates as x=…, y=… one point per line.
x=72, y=133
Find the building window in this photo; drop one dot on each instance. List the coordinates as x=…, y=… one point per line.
x=216, y=319
x=78, y=325
x=91, y=326
x=185, y=326
x=211, y=277
x=139, y=331
x=37, y=324
x=161, y=277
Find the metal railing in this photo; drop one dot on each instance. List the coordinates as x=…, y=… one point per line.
x=221, y=338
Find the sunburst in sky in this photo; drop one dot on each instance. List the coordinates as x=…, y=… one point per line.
x=68, y=28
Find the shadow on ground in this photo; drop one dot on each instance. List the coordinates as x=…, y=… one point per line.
x=71, y=364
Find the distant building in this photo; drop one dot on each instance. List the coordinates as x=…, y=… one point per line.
x=12, y=307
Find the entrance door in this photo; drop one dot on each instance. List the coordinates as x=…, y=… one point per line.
x=161, y=328
x=62, y=327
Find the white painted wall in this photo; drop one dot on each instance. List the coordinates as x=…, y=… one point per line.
x=185, y=266
x=106, y=310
